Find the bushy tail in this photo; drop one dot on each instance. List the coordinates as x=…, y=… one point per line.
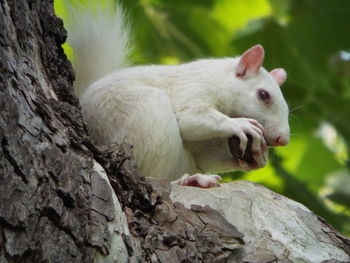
x=99, y=37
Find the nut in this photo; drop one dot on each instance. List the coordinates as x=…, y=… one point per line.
x=233, y=143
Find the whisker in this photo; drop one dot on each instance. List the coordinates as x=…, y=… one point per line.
x=295, y=108
x=296, y=134
x=293, y=116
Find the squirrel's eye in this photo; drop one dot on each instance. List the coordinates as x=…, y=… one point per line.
x=264, y=95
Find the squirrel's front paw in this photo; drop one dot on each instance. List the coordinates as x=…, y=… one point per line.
x=242, y=127
x=259, y=160
x=199, y=180
x=251, y=159
x=261, y=156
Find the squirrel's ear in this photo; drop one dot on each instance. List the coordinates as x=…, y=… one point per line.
x=251, y=61
x=279, y=75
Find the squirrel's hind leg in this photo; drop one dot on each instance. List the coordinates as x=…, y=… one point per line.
x=145, y=119
x=199, y=180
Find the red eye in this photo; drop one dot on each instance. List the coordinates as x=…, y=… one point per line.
x=264, y=95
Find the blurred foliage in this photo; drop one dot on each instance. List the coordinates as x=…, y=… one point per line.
x=311, y=40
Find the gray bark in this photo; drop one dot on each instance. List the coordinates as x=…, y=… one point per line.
x=276, y=229
x=46, y=182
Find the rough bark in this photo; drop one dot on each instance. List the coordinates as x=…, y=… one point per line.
x=276, y=229
x=47, y=185
x=62, y=199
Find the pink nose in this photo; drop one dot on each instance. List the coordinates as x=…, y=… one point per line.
x=282, y=141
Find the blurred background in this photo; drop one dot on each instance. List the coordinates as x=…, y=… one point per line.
x=311, y=40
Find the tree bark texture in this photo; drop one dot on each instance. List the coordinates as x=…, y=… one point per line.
x=45, y=166
x=276, y=229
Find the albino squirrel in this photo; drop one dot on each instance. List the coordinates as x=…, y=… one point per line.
x=178, y=118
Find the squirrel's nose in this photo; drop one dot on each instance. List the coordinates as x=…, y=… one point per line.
x=281, y=141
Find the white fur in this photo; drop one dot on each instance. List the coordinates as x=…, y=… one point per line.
x=177, y=117
x=100, y=39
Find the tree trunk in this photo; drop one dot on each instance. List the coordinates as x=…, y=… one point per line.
x=57, y=203
x=46, y=181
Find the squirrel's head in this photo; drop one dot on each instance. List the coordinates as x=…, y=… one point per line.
x=262, y=97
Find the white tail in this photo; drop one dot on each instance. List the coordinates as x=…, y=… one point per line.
x=99, y=36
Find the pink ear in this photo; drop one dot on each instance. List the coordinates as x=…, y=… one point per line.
x=251, y=61
x=279, y=75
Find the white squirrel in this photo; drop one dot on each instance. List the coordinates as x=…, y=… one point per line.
x=178, y=118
